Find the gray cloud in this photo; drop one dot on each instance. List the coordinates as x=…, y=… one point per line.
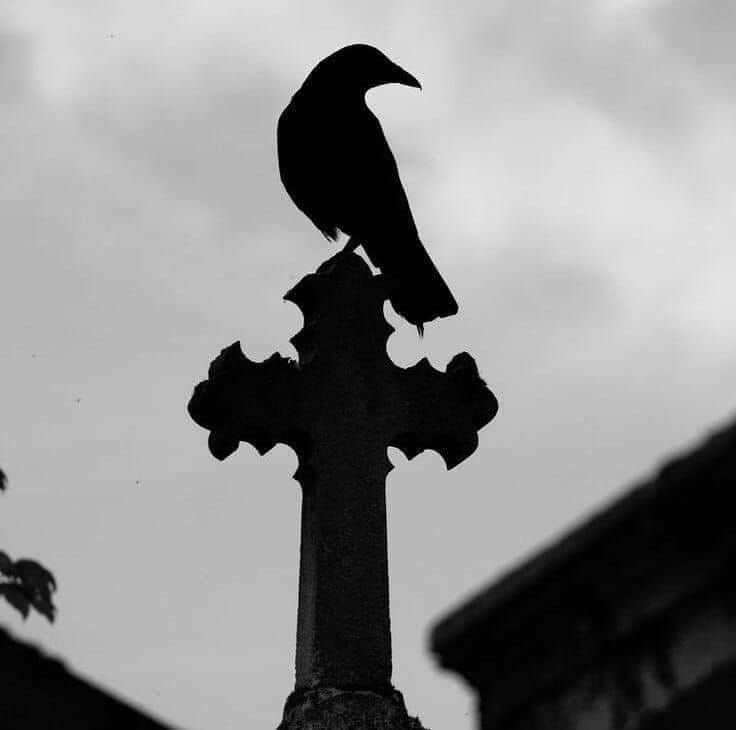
x=612, y=64
x=212, y=143
x=701, y=33
x=15, y=49
x=531, y=284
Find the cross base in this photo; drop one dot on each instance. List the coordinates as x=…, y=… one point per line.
x=328, y=708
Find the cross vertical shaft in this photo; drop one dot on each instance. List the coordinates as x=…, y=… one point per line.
x=343, y=631
x=343, y=628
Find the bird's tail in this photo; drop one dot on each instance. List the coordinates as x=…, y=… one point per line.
x=416, y=289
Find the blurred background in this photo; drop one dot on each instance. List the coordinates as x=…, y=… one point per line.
x=571, y=168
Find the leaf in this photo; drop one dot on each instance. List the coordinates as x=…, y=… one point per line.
x=33, y=573
x=15, y=596
x=30, y=584
x=38, y=584
x=44, y=606
x=6, y=565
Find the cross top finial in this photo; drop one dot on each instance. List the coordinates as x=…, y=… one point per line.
x=344, y=297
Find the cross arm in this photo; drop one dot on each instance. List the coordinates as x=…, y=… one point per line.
x=242, y=400
x=442, y=411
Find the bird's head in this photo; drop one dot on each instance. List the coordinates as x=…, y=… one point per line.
x=357, y=68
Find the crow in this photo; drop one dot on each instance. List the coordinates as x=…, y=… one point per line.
x=337, y=167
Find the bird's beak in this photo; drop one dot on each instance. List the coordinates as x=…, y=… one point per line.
x=399, y=76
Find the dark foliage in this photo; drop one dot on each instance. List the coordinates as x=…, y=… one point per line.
x=24, y=583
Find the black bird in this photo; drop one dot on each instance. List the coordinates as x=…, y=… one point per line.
x=337, y=167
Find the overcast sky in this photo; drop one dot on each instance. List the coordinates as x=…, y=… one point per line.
x=572, y=169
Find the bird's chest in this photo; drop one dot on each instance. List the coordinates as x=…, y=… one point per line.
x=329, y=138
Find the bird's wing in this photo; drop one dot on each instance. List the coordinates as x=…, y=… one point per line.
x=305, y=166
x=339, y=170
x=373, y=205
x=380, y=218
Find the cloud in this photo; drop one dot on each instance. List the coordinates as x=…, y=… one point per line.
x=212, y=144
x=546, y=117
x=14, y=62
x=534, y=284
x=700, y=33
x=613, y=63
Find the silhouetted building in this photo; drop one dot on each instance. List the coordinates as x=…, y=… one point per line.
x=38, y=692
x=627, y=622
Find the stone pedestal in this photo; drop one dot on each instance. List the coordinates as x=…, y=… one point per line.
x=334, y=709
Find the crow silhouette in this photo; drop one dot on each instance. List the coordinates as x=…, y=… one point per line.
x=337, y=167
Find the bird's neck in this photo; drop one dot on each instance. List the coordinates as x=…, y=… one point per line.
x=330, y=95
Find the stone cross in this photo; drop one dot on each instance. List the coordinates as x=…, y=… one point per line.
x=339, y=408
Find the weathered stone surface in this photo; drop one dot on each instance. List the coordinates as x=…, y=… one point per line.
x=334, y=709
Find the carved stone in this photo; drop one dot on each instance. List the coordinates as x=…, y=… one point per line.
x=339, y=408
x=334, y=709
